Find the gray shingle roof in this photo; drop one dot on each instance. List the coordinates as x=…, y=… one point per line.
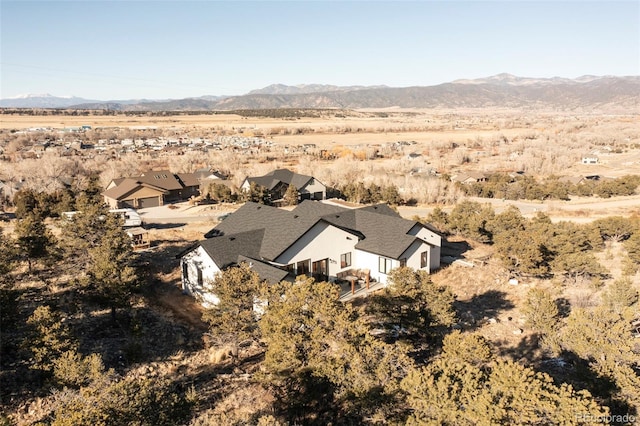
x=272, y=179
x=384, y=234
x=281, y=228
x=382, y=209
x=379, y=231
x=268, y=273
x=224, y=250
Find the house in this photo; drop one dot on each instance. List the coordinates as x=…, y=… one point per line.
x=151, y=189
x=278, y=181
x=590, y=160
x=320, y=240
x=469, y=178
x=209, y=174
x=207, y=177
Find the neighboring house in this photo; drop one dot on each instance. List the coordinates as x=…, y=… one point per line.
x=469, y=177
x=151, y=189
x=590, y=160
x=277, y=182
x=207, y=176
x=315, y=239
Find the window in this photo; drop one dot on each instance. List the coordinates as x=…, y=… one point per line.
x=403, y=262
x=385, y=265
x=185, y=271
x=200, y=279
x=303, y=267
x=345, y=260
x=424, y=259
x=291, y=268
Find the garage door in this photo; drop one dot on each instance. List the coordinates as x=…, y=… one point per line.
x=149, y=202
x=127, y=203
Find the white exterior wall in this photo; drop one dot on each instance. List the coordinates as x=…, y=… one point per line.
x=314, y=186
x=195, y=259
x=370, y=261
x=322, y=241
x=433, y=239
x=412, y=254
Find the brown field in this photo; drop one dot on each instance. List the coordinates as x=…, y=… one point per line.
x=362, y=127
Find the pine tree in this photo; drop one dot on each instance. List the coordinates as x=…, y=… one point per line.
x=49, y=338
x=83, y=232
x=233, y=320
x=110, y=272
x=453, y=391
x=620, y=295
x=34, y=241
x=541, y=311
x=309, y=331
x=413, y=303
x=290, y=197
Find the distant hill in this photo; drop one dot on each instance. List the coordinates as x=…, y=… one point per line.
x=42, y=101
x=499, y=91
x=283, y=89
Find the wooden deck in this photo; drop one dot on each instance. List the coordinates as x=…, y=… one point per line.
x=360, y=290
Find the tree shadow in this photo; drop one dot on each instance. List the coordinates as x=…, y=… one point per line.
x=564, y=307
x=570, y=368
x=161, y=259
x=139, y=335
x=528, y=349
x=481, y=308
x=163, y=225
x=455, y=249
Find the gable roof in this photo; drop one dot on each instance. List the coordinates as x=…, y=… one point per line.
x=224, y=250
x=160, y=178
x=230, y=250
x=281, y=228
x=188, y=179
x=126, y=187
x=378, y=231
x=384, y=234
x=273, y=178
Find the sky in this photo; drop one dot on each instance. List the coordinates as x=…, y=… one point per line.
x=115, y=50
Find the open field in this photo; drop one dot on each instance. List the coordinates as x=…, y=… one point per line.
x=405, y=148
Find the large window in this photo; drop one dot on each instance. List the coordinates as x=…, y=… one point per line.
x=303, y=267
x=424, y=259
x=345, y=260
x=385, y=265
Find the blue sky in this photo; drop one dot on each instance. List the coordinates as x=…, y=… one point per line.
x=173, y=49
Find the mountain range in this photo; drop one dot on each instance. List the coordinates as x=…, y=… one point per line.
x=499, y=91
